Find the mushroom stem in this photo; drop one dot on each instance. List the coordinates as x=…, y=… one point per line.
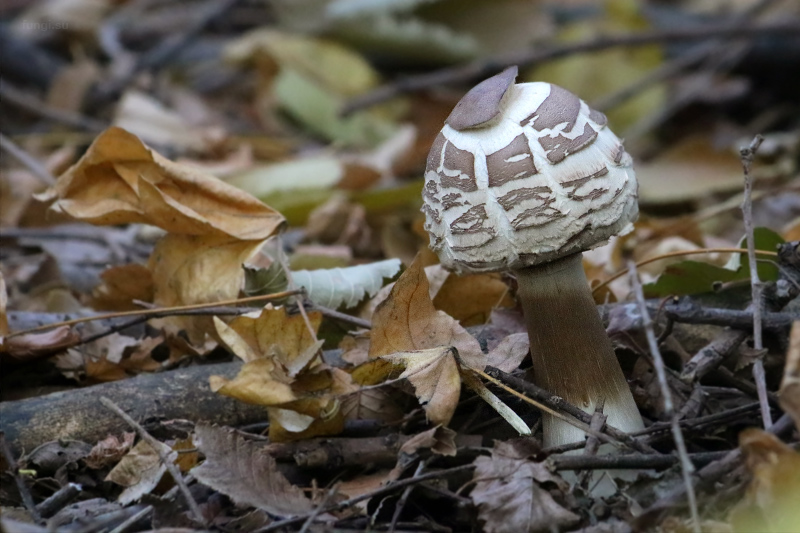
x=572, y=356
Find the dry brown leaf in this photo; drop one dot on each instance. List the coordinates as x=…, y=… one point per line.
x=120, y=286
x=189, y=269
x=770, y=505
x=509, y=353
x=140, y=470
x=109, y=450
x=510, y=497
x=246, y=473
x=440, y=440
x=37, y=345
x=120, y=180
x=789, y=393
x=471, y=298
x=407, y=321
x=435, y=376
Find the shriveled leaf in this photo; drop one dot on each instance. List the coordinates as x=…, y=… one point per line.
x=259, y=382
x=109, y=450
x=120, y=180
x=434, y=374
x=242, y=470
x=140, y=470
x=509, y=354
x=35, y=345
x=510, y=497
x=789, y=393
x=121, y=285
x=190, y=269
x=471, y=298
x=407, y=321
x=440, y=440
x=770, y=504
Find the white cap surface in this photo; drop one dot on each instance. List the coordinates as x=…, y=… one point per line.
x=541, y=178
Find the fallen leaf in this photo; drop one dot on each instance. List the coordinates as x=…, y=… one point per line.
x=120, y=181
x=109, y=451
x=32, y=346
x=140, y=470
x=435, y=377
x=408, y=321
x=243, y=471
x=510, y=497
x=440, y=440
x=121, y=286
x=770, y=505
x=471, y=298
x=510, y=352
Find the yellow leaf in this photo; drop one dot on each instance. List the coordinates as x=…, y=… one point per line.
x=258, y=382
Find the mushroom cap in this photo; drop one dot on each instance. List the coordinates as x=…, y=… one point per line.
x=535, y=175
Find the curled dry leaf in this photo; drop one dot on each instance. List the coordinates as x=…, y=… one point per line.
x=408, y=321
x=440, y=440
x=242, y=470
x=789, y=393
x=434, y=374
x=510, y=497
x=281, y=372
x=120, y=180
x=770, y=504
x=212, y=227
x=33, y=346
x=109, y=450
x=140, y=470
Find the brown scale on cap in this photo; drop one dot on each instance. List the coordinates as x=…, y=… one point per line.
x=473, y=221
x=513, y=162
x=461, y=161
x=559, y=107
x=559, y=147
x=452, y=200
x=577, y=183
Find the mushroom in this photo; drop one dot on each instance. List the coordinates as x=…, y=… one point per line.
x=525, y=177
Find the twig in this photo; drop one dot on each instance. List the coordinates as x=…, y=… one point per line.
x=132, y=520
x=33, y=105
x=687, y=468
x=747, y=154
x=318, y=509
x=401, y=503
x=592, y=444
x=342, y=317
x=559, y=404
x=671, y=68
x=156, y=445
x=161, y=311
x=629, y=461
x=387, y=489
x=710, y=356
x=26, y=159
x=680, y=253
x=24, y=493
x=528, y=57
x=689, y=312
x=59, y=499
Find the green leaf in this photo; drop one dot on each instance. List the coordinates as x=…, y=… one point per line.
x=345, y=286
x=694, y=277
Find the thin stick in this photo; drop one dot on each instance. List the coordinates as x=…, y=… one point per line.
x=401, y=503
x=540, y=54
x=156, y=445
x=747, y=154
x=318, y=509
x=387, y=489
x=680, y=253
x=687, y=468
x=160, y=311
x=24, y=493
x=27, y=160
x=132, y=520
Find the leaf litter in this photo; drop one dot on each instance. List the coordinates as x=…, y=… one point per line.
x=248, y=164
